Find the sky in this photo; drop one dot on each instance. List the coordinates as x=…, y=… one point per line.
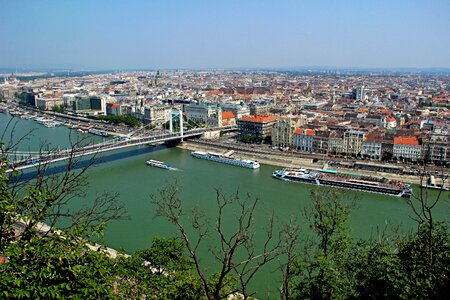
x=170, y=34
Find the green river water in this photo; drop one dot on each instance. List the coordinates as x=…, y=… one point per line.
x=126, y=172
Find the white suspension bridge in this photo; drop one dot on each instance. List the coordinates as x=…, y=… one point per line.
x=20, y=160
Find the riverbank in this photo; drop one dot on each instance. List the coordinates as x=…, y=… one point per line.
x=284, y=160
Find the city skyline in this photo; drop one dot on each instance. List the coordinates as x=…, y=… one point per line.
x=224, y=35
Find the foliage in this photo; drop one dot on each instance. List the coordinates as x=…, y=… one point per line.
x=124, y=119
x=54, y=267
x=400, y=270
x=169, y=276
x=396, y=267
x=321, y=274
x=59, y=264
x=25, y=98
x=251, y=139
x=59, y=109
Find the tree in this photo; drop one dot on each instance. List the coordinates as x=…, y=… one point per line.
x=289, y=245
x=59, y=108
x=237, y=254
x=40, y=261
x=168, y=276
x=321, y=273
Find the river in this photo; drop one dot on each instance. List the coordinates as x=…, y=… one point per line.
x=126, y=172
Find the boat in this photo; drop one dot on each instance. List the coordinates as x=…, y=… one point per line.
x=431, y=184
x=226, y=159
x=159, y=164
x=98, y=132
x=346, y=181
x=84, y=129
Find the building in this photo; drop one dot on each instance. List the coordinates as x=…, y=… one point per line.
x=259, y=127
x=156, y=115
x=68, y=99
x=437, y=149
x=239, y=110
x=407, y=148
x=112, y=109
x=204, y=113
x=85, y=103
x=335, y=143
x=47, y=102
x=390, y=122
x=283, y=132
x=303, y=139
x=358, y=94
x=320, y=142
x=228, y=119
x=372, y=146
x=352, y=142
x=259, y=109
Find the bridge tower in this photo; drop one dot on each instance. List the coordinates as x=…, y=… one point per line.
x=180, y=118
x=170, y=122
x=180, y=114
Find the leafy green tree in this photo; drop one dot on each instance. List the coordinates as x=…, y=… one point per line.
x=398, y=268
x=168, y=276
x=124, y=119
x=59, y=108
x=251, y=139
x=40, y=261
x=321, y=273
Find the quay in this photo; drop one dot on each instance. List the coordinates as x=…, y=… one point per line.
x=285, y=160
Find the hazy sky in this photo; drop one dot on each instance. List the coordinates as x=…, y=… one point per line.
x=224, y=34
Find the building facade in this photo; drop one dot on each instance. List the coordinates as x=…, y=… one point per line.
x=352, y=142
x=259, y=127
x=156, y=115
x=335, y=143
x=303, y=139
x=407, y=148
x=282, y=133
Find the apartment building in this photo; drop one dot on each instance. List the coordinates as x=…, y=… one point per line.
x=407, y=147
x=283, y=132
x=259, y=127
x=303, y=139
x=352, y=142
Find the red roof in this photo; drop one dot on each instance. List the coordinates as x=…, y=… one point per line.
x=390, y=119
x=298, y=131
x=406, y=140
x=214, y=92
x=227, y=115
x=308, y=132
x=259, y=118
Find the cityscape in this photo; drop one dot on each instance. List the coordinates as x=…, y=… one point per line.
x=225, y=151
x=374, y=117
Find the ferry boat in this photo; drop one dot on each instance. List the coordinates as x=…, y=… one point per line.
x=347, y=181
x=84, y=129
x=226, y=159
x=159, y=164
x=98, y=132
x=431, y=184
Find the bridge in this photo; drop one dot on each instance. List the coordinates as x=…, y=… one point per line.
x=20, y=160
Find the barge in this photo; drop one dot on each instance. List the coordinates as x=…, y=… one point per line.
x=346, y=181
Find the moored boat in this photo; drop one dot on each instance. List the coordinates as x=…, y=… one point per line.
x=98, y=132
x=431, y=184
x=346, y=181
x=226, y=159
